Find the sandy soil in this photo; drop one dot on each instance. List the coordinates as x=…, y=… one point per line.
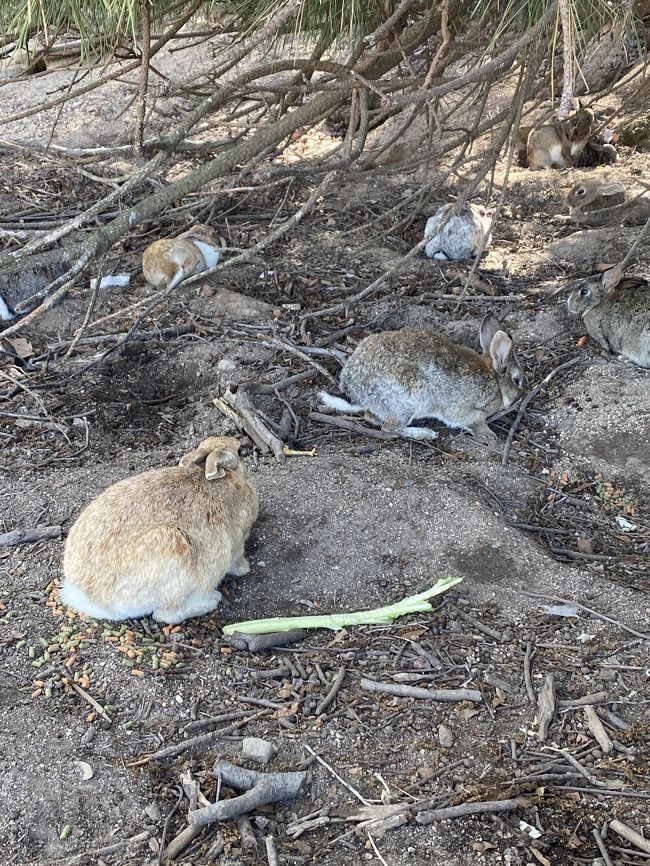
x=361, y=523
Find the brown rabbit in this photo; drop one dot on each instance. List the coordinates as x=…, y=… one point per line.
x=598, y=203
x=161, y=542
x=616, y=313
x=165, y=263
x=558, y=144
x=397, y=377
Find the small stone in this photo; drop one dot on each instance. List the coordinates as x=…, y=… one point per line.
x=445, y=737
x=426, y=772
x=226, y=365
x=256, y=749
x=152, y=811
x=88, y=736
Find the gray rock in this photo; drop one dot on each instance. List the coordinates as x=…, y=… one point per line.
x=445, y=737
x=256, y=749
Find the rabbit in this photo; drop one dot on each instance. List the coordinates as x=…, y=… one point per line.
x=161, y=542
x=616, y=313
x=557, y=145
x=165, y=263
x=398, y=376
x=595, y=203
x=465, y=234
x=596, y=153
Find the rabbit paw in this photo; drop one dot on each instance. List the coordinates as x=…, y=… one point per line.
x=418, y=433
x=482, y=432
x=239, y=566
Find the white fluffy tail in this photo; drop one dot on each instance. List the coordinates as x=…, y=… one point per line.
x=5, y=313
x=338, y=403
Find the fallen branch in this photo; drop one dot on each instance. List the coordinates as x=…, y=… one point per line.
x=28, y=536
x=195, y=742
x=91, y=700
x=631, y=835
x=589, y=610
x=404, y=691
x=260, y=642
x=468, y=809
x=260, y=789
x=237, y=406
x=98, y=852
x=546, y=703
x=352, y=426
x=598, y=730
x=329, y=698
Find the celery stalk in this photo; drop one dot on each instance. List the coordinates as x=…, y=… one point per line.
x=335, y=621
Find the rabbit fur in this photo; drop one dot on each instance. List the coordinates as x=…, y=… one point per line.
x=168, y=261
x=616, y=313
x=596, y=203
x=558, y=144
x=397, y=377
x=465, y=234
x=161, y=542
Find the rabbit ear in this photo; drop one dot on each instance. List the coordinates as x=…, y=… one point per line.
x=611, y=188
x=213, y=453
x=632, y=283
x=196, y=457
x=218, y=461
x=612, y=277
x=489, y=327
x=500, y=349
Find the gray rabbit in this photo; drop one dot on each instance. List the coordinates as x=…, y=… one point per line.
x=464, y=236
x=397, y=377
x=616, y=313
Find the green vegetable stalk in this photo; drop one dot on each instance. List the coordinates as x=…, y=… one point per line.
x=335, y=621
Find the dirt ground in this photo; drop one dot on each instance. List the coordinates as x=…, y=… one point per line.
x=553, y=547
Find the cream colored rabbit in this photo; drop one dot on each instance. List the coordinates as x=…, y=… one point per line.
x=396, y=377
x=165, y=263
x=161, y=542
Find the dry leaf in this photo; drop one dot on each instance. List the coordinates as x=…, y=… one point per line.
x=582, y=341
x=22, y=347
x=584, y=545
x=467, y=713
x=482, y=846
x=539, y=856
x=413, y=633
x=206, y=290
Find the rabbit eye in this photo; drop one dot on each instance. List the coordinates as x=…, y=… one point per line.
x=584, y=291
x=581, y=191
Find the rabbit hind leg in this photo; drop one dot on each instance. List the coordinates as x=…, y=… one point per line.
x=479, y=428
x=240, y=566
x=195, y=605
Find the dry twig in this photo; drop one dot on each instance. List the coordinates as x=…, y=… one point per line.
x=29, y=536
x=259, y=789
x=546, y=702
x=403, y=691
